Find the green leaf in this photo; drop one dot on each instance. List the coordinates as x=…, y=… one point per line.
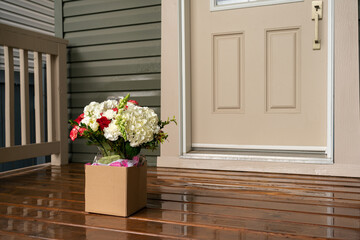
x=130, y=151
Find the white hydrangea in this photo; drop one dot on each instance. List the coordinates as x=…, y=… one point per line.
x=112, y=132
x=109, y=114
x=108, y=104
x=141, y=124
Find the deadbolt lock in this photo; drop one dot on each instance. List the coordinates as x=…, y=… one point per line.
x=317, y=9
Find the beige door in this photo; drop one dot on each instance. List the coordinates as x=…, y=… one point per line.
x=256, y=81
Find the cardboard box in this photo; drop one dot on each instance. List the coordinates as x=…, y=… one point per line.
x=118, y=191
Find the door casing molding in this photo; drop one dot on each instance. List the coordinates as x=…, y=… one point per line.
x=185, y=97
x=214, y=7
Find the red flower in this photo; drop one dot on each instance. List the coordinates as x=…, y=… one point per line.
x=74, y=132
x=81, y=131
x=103, y=122
x=115, y=110
x=79, y=118
x=134, y=102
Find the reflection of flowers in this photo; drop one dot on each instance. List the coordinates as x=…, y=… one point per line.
x=121, y=127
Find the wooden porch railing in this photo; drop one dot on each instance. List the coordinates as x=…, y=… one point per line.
x=56, y=82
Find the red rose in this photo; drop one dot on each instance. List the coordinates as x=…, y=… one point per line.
x=103, y=122
x=74, y=132
x=115, y=110
x=79, y=118
x=134, y=102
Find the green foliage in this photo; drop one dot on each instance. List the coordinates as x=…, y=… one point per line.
x=131, y=152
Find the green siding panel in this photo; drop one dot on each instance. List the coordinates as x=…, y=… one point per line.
x=115, y=51
x=114, y=35
x=145, y=98
x=114, y=67
x=115, y=83
x=35, y=6
x=113, y=19
x=75, y=8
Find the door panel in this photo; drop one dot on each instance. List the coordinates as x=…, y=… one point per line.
x=255, y=78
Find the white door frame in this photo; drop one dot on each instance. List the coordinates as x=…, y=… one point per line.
x=185, y=98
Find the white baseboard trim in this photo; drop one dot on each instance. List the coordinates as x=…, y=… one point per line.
x=260, y=147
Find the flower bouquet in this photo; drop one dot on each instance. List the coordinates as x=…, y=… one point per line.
x=120, y=129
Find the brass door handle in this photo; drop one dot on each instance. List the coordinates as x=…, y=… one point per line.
x=317, y=15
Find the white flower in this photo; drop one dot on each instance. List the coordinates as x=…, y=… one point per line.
x=91, y=122
x=94, y=109
x=112, y=132
x=141, y=124
x=89, y=109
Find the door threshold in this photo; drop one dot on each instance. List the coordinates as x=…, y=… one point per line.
x=261, y=156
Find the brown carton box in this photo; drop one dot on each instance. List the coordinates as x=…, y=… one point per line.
x=118, y=191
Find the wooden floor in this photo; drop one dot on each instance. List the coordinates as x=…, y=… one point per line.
x=184, y=204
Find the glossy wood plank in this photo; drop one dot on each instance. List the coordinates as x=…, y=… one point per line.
x=256, y=178
x=265, y=175
x=49, y=203
x=260, y=189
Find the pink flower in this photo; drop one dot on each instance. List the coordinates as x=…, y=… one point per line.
x=81, y=131
x=74, y=132
x=103, y=122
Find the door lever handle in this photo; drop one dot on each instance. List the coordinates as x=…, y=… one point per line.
x=317, y=15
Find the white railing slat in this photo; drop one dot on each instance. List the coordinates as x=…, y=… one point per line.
x=38, y=90
x=9, y=97
x=24, y=97
x=49, y=93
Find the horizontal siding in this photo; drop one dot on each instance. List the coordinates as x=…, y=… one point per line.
x=145, y=98
x=114, y=49
x=45, y=7
x=114, y=35
x=75, y=8
x=115, y=67
x=37, y=16
x=115, y=83
x=113, y=19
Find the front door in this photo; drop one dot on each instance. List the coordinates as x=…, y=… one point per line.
x=256, y=81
